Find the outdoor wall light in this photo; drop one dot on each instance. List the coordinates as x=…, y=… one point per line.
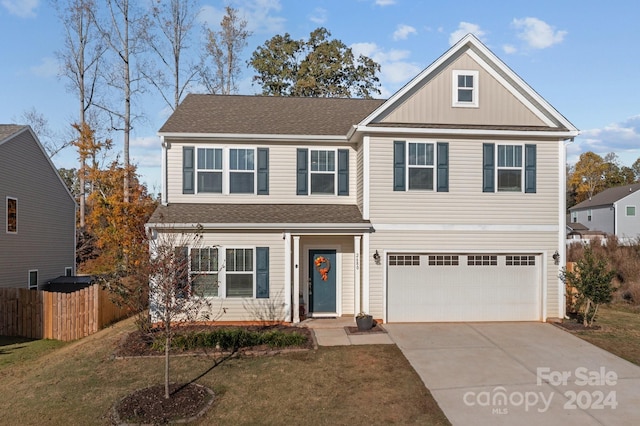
x=376, y=256
x=556, y=258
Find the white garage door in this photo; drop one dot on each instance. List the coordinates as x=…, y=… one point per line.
x=463, y=287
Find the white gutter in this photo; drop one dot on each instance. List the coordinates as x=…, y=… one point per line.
x=254, y=137
x=469, y=132
x=265, y=226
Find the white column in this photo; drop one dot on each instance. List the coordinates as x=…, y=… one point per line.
x=296, y=279
x=357, y=261
x=365, y=273
x=287, y=276
x=365, y=177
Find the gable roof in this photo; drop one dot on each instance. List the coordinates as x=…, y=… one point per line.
x=607, y=197
x=8, y=130
x=266, y=115
x=555, y=123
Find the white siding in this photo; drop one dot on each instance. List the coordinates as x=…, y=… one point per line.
x=282, y=177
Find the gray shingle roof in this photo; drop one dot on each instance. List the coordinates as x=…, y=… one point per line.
x=291, y=214
x=607, y=197
x=268, y=115
x=7, y=130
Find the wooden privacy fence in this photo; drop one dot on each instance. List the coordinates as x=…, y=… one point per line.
x=40, y=314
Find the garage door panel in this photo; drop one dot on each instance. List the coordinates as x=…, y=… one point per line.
x=468, y=288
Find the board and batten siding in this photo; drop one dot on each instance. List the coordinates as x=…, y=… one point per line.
x=282, y=176
x=544, y=243
x=465, y=203
x=45, y=240
x=432, y=102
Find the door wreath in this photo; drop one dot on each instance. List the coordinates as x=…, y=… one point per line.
x=323, y=266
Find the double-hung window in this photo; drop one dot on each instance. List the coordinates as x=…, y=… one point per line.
x=239, y=274
x=509, y=168
x=420, y=166
x=204, y=271
x=241, y=171
x=323, y=172
x=465, y=88
x=209, y=170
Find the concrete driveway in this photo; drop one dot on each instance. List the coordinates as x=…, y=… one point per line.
x=520, y=374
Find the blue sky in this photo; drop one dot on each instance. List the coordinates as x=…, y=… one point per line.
x=580, y=55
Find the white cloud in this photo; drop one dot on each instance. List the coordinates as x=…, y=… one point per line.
x=21, y=8
x=623, y=138
x=509, y=49
x=385, y=2
x=403, y=31
x=465, y=28
x=536, y=33
x=49, y=67
x=259, y=15
x=395, y=71
x=319, y=16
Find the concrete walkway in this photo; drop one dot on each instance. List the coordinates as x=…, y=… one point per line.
x=520, y=374
x=332, y=332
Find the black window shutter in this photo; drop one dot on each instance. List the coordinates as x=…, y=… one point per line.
x=302, y=175
x=530, y=168
x=262, y=272
x=443, y=167
x=343, y=172
x=188, y=170
x=488, y=167
x=399, y=165
x=263, y=171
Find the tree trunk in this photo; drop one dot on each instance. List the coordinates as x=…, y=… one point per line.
x=585, y=320
x=595, y=312
x=167, y=345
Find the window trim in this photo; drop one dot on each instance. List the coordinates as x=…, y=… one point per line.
x=419, y=166
x=626, y=211
x=334, y=172
x=8, y=231
x=521, y=168
x=253, y=272
x=475, y=89
x=589, y=215
x=193, y=273
x=68, y=271
x=32, y=287
x=226, y=170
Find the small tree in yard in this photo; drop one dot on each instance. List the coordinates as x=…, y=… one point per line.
x=172, y=299
x=592, y=278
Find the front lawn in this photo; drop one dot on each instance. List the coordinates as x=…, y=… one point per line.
x=619, y=331
x=360, y=385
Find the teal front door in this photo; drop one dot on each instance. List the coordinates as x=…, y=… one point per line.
x=322, y=279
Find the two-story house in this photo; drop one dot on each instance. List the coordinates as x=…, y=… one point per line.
x=444, y=202
x=614, y=211
x=38, y=240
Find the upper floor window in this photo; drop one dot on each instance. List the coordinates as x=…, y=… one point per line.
x=420, y=166
x=12, y=215
x=33, y=279
x=465, y=88
x=509, y=168
x=574, y=217
x=589, y=215
x=225, y=170
x=323, y=172
x=630, y=210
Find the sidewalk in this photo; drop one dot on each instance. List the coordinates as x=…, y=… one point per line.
x=333, y=332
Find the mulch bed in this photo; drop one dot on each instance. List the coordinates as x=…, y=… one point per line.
x=149, y=406
x=574, y=326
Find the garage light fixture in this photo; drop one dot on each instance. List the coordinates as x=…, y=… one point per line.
x=556, y=258
x=376, y=256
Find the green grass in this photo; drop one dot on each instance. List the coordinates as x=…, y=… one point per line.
x=77, y=384
x=20, y=350
x=619, y=332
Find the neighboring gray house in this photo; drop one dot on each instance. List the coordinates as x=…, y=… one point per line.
x=445, y=202
x=614, y=211
x=37, y=242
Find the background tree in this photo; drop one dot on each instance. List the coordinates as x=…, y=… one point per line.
x=636, y=169
x=587, y=178
x=319, y=66
x=81, y=59
x=220, y=62
x=615, y=174
x=52, y=142
x=168, y=40
x=593, y=280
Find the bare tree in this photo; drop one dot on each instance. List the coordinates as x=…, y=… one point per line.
x=168, y=40
x=123, y=33
x=53, y=143
x=220, y=63
x=81, y=62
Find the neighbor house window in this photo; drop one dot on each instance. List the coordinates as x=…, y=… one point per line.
x=33, y=279
x=465, y=88
x=241, y=171
x=323, y=172
x=12, y=215
x=420, y=166
x=630, y=210
x=204, y=271
x=589, y=215
x=574, y=217
x=209, y=170
x=68, y=271
x=239, y=274
x=509, y=170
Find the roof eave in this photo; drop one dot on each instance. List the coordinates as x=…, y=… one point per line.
x=563, y=134
x=254, y=137
x=260, y=226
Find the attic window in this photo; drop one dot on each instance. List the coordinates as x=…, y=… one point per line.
x=465, y=89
